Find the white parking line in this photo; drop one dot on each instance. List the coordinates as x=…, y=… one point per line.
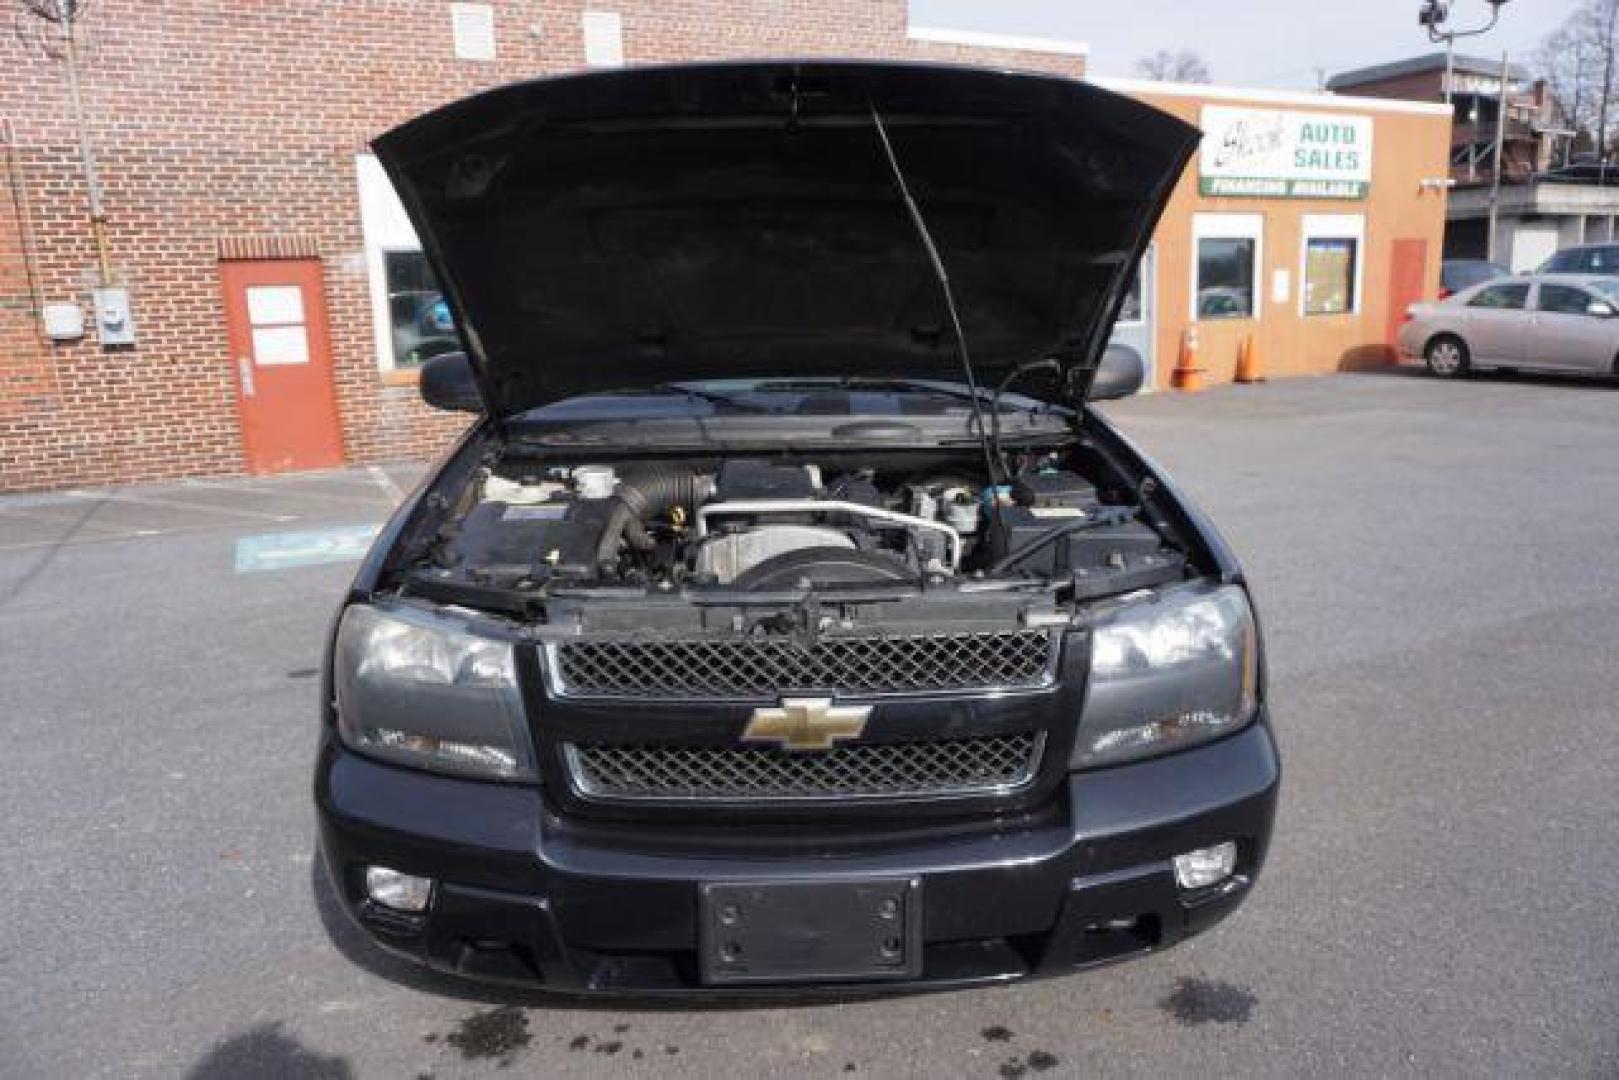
x=386, y=483
x=33, y=513
x=147, y=500
x=368, y=500
x=132, y=534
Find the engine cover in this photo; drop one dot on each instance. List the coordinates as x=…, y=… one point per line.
x=823, y=567
x=730, y=555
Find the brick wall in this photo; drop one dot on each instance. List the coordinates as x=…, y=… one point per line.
x=215, y=117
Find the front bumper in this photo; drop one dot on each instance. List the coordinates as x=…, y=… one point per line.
x=527, y=897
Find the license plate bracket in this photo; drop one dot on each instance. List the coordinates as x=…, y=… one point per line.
x=810, y=931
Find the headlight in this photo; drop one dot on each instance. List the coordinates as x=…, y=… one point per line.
x=1167, y=674
x=423, y=690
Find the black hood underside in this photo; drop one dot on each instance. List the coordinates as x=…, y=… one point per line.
x=612, y=230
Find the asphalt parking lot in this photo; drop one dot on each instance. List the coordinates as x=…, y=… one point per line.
x=1435, y=564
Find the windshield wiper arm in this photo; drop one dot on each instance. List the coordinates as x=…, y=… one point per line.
x=878, y=384
x=712, y=397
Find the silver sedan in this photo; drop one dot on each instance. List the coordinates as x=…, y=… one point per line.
x=1544, y=322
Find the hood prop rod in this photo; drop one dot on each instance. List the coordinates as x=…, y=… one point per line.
x=985, y=438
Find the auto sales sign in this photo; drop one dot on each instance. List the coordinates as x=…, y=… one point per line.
x=1271, y=153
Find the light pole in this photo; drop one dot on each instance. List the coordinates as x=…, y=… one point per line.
x=1435, y=18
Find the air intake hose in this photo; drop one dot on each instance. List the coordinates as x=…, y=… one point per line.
x=644, y=493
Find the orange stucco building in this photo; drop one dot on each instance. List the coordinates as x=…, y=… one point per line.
x=1306, y=223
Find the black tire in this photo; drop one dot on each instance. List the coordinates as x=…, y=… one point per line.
x=1447, y=356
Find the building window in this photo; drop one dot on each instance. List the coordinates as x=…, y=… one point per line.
x=604, y=38
x=410, y=319
x=1226, y=265
x=418, y=318
x=1130, y=312
x=1331, y=273
x=472, y=27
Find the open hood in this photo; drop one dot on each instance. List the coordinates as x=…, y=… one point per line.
x=619, y=229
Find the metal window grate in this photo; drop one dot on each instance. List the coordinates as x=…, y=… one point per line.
x=767, y=667
x=989, y=764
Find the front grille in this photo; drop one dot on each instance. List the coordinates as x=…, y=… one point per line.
x=981, y=765
x=767, y=667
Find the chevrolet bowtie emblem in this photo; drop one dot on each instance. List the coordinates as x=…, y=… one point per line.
x=806, y=724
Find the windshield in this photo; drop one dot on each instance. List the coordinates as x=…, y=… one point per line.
x=1608, y=287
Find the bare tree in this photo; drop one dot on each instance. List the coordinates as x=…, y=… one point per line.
x=1580, y=62
x=1185, y=66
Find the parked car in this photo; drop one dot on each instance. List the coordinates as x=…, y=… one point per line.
x=1543, y=322
x=1586, y=259
x=1458, y=274
x=828, y=663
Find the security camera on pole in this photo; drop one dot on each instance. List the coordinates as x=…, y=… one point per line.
x=1435, y=19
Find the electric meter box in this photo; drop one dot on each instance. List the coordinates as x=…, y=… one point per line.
x=114, y=324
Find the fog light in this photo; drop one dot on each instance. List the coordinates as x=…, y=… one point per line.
x=401, y=892
x=1206, y=866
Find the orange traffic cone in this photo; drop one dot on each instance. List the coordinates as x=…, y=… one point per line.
x=1248, y=370
x=1187, y=375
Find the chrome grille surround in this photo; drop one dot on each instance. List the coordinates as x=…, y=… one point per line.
x=979, y=765
x=764, y=668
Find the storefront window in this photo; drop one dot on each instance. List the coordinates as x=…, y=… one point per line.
x=1329, y=275
x=1225, y=277
x=1330, y=263
x=418, y=318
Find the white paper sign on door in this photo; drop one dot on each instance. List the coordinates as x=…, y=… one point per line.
x=272, y=304
x=280, y=345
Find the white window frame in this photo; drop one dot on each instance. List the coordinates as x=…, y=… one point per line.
x=1332, y=227
x=1216, y=225
x=387, y=230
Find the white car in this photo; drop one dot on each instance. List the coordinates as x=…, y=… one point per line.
x=1543, y=322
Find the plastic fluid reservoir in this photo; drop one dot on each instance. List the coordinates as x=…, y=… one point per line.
x=595, y=481
x=961, y=512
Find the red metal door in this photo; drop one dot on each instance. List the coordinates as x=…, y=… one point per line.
x=1408, y=276
x=275, y=317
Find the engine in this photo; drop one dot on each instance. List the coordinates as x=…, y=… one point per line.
x=773, y=525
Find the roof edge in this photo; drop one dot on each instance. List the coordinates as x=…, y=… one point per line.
x=982, y=39
x=1422, y=65
x=1309, y=99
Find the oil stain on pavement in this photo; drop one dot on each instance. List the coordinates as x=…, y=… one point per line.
x=1016, y=1067
x=1209, y=1001
x=496, y=1033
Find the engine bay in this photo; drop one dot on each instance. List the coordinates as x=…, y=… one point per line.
x=751, y=529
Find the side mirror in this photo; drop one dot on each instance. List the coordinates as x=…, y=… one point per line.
x=447, y=382
x=1120, y=374
x=1601, y=309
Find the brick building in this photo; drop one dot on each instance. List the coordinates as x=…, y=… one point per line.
x=279, y=298
x=1548, y=198
x=226, y=132
x=1533, y=139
